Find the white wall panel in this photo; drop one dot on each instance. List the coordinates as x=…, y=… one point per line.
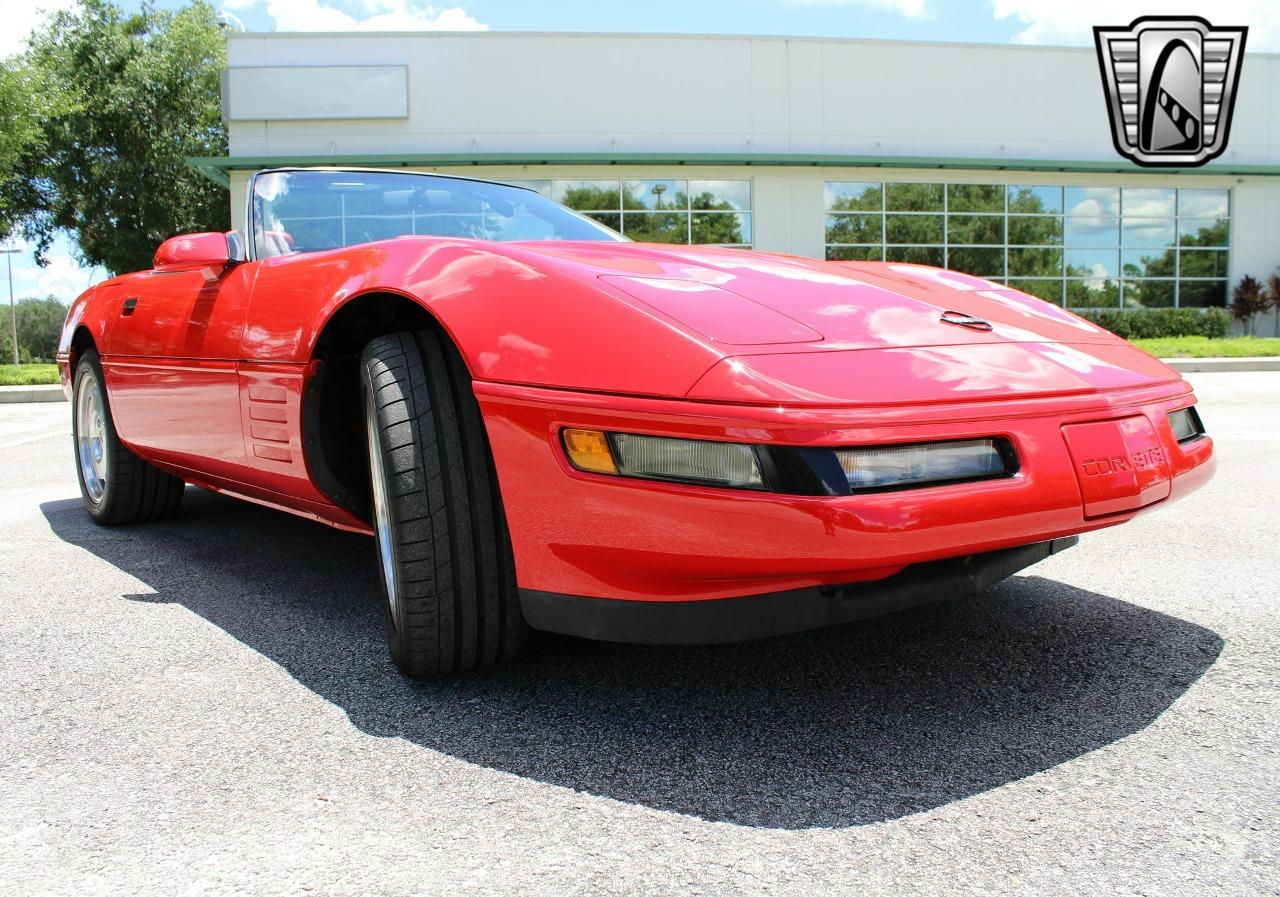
x=325, y=92
x=316, y=95
x=509, y=92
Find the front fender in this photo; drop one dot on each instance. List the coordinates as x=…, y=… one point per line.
x=513, y=315
x=79, y=315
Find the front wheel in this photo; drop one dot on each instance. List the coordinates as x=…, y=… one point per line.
x=117, y=486
x=441, y=537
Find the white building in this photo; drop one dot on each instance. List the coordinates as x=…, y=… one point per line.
x=993, y=159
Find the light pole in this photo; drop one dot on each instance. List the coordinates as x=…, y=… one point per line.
x=13, y=311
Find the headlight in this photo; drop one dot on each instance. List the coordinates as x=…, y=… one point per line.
x=688, y=460
x=899, y=466
x=788, y=470
x=661, y=458
x=1186, y=424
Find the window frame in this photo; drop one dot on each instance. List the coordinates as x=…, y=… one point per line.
x=689, y=213
x=1116, y=280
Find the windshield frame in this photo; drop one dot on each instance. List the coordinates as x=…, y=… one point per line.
x=252, y=223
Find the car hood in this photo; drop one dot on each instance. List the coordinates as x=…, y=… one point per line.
x=748, y=301
x=797, y=331
x=730, y=325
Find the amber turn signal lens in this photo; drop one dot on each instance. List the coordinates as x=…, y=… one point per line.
x=589, y=450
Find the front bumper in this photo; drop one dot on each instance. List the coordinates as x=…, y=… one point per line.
x=582, y=534
x=777, y=613
x=64, y=372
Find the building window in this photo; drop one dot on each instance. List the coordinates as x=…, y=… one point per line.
x=659, y=210
x=1083, y=247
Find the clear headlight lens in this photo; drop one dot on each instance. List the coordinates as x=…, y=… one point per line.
x=688, y=460
x=791, y=470
x=662, y=458
x=915, y=465
x=1186, y=424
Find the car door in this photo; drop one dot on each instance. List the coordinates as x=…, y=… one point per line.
x=172, y=348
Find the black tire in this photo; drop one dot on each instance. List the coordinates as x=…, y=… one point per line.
x=129, y=489
x=443, y=549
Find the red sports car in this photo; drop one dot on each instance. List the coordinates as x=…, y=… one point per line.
x=544, y=425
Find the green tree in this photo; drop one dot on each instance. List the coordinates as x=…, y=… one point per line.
x=133, y=95
x=1162, y=264
x=21, y=138
x=39, y=326
x=595, y=202
x=1092, y=293
x=666, y=221
x=656, y=227
x=715, y=228
x=1039, y=229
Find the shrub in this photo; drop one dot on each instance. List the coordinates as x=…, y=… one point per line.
x=1154, y=323
x=1248, y=300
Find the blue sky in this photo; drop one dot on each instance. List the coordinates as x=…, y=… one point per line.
x=1058, y=22
x=968, y=20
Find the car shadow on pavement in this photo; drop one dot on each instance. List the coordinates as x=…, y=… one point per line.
x=841, y=727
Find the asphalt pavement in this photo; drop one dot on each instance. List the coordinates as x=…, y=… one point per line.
x=205, y=706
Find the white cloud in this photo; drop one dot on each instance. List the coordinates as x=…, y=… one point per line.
x=1096, y=202
x=1154, y=202
x=20, y=19
x=63, y=277
x=912, y=9
x=1098, y=276
x=1071, y=21
x=363, y=15
x=299, y=15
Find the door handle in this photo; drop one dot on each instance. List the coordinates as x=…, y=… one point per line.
x=129, y=305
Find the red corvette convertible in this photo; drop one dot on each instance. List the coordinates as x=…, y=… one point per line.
x=544, y=425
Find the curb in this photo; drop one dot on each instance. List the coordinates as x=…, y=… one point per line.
x=1218, y=365
x=14, y=394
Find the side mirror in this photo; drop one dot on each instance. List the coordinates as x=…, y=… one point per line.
x=190, y=252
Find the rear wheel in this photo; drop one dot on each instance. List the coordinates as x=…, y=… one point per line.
x=441, y=537
x=117, y=486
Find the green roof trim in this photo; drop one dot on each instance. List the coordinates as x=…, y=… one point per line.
x=216, y=167
x=216, y=174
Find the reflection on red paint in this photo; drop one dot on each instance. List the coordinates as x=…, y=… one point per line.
x=208, y=377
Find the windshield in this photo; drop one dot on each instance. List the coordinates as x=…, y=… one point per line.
x=306, y=211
